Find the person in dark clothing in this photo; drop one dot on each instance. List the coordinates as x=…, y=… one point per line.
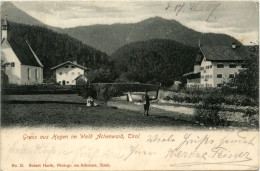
x=146, y=102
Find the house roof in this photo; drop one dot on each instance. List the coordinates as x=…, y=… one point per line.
x=191, y=73
x=23, y=51
x=72, y=63
x=224, y=53
x=82, y=75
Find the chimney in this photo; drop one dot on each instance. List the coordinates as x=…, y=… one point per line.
x=234, y=46
x=75, y=62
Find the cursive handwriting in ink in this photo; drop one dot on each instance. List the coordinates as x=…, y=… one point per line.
x=136, y=151
x=212, y=12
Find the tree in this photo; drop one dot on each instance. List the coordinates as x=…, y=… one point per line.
x=246, y=81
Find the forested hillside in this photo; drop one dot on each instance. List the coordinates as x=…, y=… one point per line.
x=53, y=48
x=157, y=60
x=109, y=38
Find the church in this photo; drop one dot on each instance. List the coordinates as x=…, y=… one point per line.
x=22, y=66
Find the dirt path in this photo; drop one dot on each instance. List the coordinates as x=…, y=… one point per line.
x=176, y=112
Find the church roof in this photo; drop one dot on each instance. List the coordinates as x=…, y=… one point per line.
x=21, y=48
x=23, y=51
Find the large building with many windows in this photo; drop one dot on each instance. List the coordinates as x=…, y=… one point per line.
x=218, y=64
x=67, y=73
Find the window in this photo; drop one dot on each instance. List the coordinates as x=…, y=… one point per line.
x=210, y=66
x=231, y=75
x=68, y=82
x=232, y=65
x=59, y=82
x=66, y=66
x=210, y=76
x=202, y=76
x=78, y=73
x=60, y=73
x=29, y=73
x=202, y=68
x=219, y=75
x=220, y=65
x=36, y=74
x=207, y=76
x=12, y=64
x=219, y=85
x=243, y=66
x=72, y=66
x=72, y=73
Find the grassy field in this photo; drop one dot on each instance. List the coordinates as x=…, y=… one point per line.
x=70, y=111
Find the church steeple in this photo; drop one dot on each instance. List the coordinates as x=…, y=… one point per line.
x=4, y=27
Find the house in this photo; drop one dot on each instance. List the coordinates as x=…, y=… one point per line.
x=67, y=72
x=81, y=80
x=218, y=65
x=23, y=67
x=193, y=78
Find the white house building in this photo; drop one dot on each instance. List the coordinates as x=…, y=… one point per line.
x=24, y=67
x=218, y=65
x=67, y=72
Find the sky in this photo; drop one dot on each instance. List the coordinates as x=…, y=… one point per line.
x=239, y=19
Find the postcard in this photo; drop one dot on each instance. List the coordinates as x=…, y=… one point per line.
x=129, y=85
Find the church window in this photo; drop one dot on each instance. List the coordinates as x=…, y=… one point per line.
x=36, y=74
x=29, y=73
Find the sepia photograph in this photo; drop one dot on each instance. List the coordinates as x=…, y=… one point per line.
x=129, y=85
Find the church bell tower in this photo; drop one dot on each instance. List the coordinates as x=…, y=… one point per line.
x=4, y=26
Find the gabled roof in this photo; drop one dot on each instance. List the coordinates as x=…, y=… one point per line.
x=224, y=53
x=5, y=44
x=23, y=51
x=72, y=63
x=82, y=75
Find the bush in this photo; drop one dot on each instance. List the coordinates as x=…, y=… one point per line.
x=207, y=113
x=214, y=96
x=250, y=114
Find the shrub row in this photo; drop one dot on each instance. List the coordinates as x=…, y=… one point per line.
x=217, y=98
x=104, y=91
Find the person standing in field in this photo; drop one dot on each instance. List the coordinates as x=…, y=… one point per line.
x=146, y=102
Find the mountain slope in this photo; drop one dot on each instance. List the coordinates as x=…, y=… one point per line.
x=109, y=38
x=156, y=60
x=16, y=15
x=53, y=48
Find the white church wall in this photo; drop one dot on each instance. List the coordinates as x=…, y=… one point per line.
x=13, y=70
